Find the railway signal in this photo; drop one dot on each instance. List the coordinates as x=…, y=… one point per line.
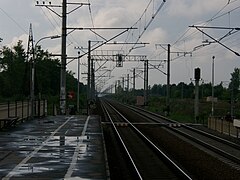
x=197, y=76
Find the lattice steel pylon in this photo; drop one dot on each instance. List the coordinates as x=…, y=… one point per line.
x=30, y=49
x=30, y=60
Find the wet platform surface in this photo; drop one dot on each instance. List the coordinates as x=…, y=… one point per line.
x=60, y=147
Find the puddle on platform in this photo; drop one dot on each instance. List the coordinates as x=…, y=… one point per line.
x=66, y=140
x=30, y=169
x=58, y=151
x=76, y=178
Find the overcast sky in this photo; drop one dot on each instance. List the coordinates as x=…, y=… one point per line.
x=169, y=26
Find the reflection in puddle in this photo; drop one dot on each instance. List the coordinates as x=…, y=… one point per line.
x=31, y=168
x=76, y=178
x=66, y=140
x=58, y=151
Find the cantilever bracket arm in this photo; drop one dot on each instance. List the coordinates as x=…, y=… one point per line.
x=158, y=69
x=105, y=42
x=54, y=11
x=79, y=5
x=198, y=28
x=98, y=35
x=49, y=6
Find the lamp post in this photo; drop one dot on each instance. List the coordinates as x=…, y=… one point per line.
x=47, y=37
x=32, y=89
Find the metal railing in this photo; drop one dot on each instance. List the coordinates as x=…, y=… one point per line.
x=22, y=110
x=224, y=126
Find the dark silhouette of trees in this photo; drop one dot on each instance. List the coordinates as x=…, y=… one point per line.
x=185, y=91
x=234, y=84
x=15, y=75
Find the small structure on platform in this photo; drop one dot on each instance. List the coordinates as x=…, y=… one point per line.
x=236, y=123
x=140, y=101
x=209, y=99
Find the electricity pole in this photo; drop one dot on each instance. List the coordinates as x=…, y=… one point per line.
x=115, y=87
x=168, y=79
x=63, y=60
x=167, y=74
x=127, y=82
x=145, y=82
x=92, y=80
x=78, y=85
x=213, y=85
x=134, y=80
x=119, y=86
x=63, y=49
x=89, y=74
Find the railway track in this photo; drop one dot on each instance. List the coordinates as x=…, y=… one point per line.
x=223, y=153
x=147, y=160
x=223, y=149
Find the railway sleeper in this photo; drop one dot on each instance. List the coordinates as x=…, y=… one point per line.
x=123, y=124
x=119, y=124
x=174, y=125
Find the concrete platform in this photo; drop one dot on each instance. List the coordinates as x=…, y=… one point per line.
x=59, y=147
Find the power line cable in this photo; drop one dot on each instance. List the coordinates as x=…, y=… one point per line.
x=15, y=22
x=149, y=22
x=146, y=25
x=71, y=40
x=214, y=17
x=54, y=26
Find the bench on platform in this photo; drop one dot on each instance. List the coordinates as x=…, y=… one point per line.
x=9, y=122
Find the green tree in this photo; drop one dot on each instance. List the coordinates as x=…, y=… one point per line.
x=12, y=65
x=235, y=83
x=15, y=74
x=154, y=89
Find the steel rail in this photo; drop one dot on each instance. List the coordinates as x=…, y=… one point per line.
x=232, y=144
x=219, y=139
x=168, y=159
x=207, y=145
x=122, y=142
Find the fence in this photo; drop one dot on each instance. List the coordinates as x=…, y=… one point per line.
x=22, y=110
x=221, y=125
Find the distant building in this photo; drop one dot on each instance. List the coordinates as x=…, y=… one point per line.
x=140, y=101
x=209, y=99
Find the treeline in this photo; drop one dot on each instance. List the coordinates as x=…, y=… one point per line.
x=15, y=75
x=221, y=91
x=182, y=97
x=183, y=90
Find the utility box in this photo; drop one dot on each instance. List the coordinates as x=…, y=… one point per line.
x=236, y=123
x=210, y=99
x=140, y=101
